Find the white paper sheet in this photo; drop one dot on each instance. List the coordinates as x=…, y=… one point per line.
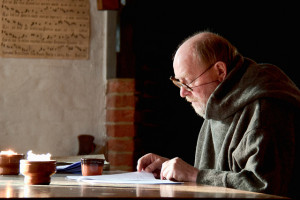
x=125, y=178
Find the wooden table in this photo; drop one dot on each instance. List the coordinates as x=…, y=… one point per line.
x=14, y=187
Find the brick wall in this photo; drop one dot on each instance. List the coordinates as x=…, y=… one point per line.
x=120, y=123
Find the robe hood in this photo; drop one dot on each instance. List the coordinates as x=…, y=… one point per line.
x=247, y=82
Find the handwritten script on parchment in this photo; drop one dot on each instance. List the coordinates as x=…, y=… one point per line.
x=57, y=29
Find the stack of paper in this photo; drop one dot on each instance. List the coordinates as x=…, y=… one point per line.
x=72, y=159
x=125, y=178
x=72, y=164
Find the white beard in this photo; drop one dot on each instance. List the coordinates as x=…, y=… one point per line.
x=200, y=108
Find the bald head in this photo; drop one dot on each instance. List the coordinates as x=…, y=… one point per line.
x=208, y=48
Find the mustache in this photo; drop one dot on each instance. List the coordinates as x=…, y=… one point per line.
x=190, y=99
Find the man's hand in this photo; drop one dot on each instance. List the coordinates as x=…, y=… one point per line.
x=151, y=163
x=175, y=169
x=178, y=170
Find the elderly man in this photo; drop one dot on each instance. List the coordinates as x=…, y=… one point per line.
x=247, y=140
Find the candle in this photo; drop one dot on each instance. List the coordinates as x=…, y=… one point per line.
x=9, y=162
x=8, y=152
x=38, y=168
x=38, y=157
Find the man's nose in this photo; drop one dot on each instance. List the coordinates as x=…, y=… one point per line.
x=183, y=92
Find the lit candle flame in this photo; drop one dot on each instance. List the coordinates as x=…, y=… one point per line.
x=38, y=157
x=9, y=152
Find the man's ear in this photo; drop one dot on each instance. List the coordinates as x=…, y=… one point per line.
x=221, y=70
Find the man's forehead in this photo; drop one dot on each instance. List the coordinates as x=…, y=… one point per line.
x=186, y=71
x=186, y=63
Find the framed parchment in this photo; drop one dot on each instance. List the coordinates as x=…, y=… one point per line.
x=58, y=29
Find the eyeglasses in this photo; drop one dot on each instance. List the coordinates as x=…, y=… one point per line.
x=186, y=86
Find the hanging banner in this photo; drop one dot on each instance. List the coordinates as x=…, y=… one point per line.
x=58, y=29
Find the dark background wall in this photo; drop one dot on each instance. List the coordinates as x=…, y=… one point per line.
x=150, y=33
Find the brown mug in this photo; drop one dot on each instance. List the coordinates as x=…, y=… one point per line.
x=91, y=166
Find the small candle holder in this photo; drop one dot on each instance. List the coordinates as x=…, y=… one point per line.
x=91, y=166
x=37, y=172
x=10, y=164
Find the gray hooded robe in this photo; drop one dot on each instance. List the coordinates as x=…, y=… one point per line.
x=247, y=140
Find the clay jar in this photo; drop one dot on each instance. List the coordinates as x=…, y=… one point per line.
x=86, y=144
x=37, y=172
x=10, y=164
x=91, y=166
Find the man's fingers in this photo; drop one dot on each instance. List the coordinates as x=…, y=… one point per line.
x=164, y=173
x=153, y=166
x=151, y=163
x=143, y=162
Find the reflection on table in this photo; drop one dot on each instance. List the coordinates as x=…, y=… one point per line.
x=12, y=186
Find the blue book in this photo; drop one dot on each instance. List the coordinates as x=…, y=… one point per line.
x=74, y=168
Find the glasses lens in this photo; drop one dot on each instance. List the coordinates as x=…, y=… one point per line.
x=178, y=84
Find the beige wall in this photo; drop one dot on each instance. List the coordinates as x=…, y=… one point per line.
x=46, y=103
